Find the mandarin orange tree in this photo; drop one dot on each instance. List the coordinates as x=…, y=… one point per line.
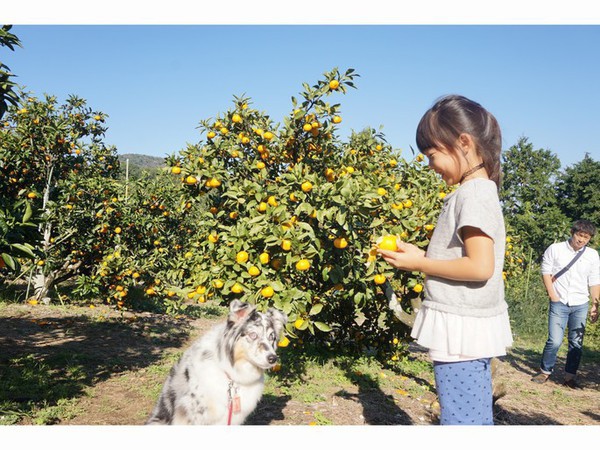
x=293, y=214
x=146, y=240
x=49, y=152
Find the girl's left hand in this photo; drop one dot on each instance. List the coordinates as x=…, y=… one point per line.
x=408, y=256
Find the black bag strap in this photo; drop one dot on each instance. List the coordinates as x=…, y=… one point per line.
x=568, y=266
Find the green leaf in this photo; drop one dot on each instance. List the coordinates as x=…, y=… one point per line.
x=316, y=309
x=28, y=213
x=24, y=249
x=9, y=261
x=341, y=218
x=322, y=326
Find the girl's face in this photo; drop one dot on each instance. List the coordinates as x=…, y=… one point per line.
x=446, y=163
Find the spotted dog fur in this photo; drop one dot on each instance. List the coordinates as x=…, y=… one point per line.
x=220, y=378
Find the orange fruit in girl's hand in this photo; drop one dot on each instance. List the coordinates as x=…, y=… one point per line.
x=388, y=243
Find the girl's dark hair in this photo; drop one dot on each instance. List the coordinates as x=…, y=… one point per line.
x=453, y=115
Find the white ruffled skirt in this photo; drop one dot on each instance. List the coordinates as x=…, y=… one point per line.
x=450, y=337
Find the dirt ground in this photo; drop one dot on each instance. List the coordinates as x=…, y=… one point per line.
x=120, y=348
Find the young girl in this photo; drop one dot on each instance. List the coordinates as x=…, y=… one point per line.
x=463, y=320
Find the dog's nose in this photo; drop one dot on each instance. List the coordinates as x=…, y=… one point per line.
x=272, y=359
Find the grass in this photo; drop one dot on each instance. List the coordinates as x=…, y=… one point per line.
x=42, y=387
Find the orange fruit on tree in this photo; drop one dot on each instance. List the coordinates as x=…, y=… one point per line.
x=418, y=288
x=268, y=135
x=191, y=179
x=211, y=134
x=32, y=195
x=264, y=258
x=307, y=186
x=283, y=342
x=340, y=242
x=334, y=84
x=262, y=206
x=307, y=127
x=267, y=292
x=379, y=278
x=213, y=182
x=329, y=174
x=213, y=238
x=218, y=284
x=286, y=244
x=336, y=119
x=237, y=288
x=254, y=271
x=241, y=257
x=388, y=243
x=303, y=265
x=236, y=118
x=176, y=170
x=298, y=323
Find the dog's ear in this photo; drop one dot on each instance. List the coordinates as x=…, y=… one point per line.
x=239, y=310
x=278, y=317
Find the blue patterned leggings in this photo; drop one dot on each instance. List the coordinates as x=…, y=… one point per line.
x=464, y=390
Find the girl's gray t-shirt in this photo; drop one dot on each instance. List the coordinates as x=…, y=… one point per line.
x=475, y=204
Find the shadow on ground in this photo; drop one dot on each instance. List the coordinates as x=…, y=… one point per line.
x=46, y=361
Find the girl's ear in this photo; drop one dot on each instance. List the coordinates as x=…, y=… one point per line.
x=466, y=143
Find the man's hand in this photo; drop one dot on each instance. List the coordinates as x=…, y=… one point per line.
x=594, y=313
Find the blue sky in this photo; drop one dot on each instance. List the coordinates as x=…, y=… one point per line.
x=156, y=82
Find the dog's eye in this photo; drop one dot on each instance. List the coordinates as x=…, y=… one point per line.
x=272, y=336
x=252, y=335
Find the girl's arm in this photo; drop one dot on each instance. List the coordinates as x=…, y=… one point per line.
x=476, y=265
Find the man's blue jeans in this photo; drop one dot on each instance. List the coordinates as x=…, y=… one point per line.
x=559, y=317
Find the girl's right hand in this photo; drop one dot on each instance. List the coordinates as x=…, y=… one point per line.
x=407, y=257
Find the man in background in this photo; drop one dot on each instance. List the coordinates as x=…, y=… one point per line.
x=571, y=274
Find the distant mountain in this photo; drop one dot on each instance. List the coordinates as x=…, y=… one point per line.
x=140, y=163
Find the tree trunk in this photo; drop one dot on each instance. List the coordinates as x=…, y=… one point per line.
x=42, y=282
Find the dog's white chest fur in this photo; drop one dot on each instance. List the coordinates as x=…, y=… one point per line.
x=211, y=393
